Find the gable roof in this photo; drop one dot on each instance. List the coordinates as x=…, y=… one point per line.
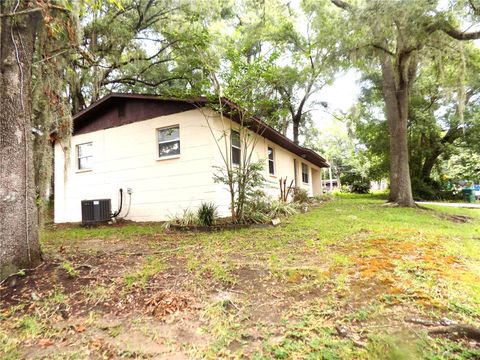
x=118, y=109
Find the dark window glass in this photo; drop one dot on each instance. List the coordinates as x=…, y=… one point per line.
x=236, y=151
x=169, y=141
x=271, y=162
x=305, y=173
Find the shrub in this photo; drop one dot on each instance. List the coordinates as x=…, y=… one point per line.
x=187, y=218
x=263, y=209
x=256, y=210
x=281, y=208
x=323, y=197
x=432, y=190
x=300, y=195
x=207, y=214
x=357, y=182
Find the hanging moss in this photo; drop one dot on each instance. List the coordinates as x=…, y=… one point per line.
x=51, y=115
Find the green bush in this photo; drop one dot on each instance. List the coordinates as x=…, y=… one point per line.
x=262, y=209
x=432, y=190
x=281, y=208
x=300, y=196
x=257, y=209
x=357, y=183
x=186, y=218
x=207, y=214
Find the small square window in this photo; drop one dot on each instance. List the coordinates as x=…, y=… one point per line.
x=305, y=173
x=84, y=156
x=236, y=147
x=169, y=141
x=271, y=161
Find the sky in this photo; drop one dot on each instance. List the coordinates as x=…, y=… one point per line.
x=340, y=96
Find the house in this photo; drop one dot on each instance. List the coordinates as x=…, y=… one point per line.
x=164, y=152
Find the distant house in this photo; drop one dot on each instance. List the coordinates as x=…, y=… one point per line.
x=164, y=152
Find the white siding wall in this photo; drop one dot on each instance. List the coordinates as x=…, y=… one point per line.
x=127, y=157
x=284, y=163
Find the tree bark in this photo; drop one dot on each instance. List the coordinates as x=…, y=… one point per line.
x=19, y=245
x=396, y=87
x=296, y=127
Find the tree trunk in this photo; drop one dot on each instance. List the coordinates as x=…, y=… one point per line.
x=428, y=164
x=19, y=246
x=296, y=126
x=396, y=96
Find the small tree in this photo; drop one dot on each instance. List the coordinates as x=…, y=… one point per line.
x=236, y=95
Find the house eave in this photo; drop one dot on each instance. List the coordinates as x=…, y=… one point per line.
x=256, y=124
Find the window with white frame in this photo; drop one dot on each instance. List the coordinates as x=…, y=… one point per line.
x=305, y=173
x=169, y=141
x=236, y=148
x=84, y=156
x=271, y=161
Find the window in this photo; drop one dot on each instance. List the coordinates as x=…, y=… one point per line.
x=271, y=161
x=169, y=141
x=84, y=156
x=236, y=150
x=304, y=173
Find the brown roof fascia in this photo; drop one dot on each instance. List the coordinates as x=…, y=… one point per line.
x=254, y=123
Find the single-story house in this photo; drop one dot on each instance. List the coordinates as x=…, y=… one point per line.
x=163, y=153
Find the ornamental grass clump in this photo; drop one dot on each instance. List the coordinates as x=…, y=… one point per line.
x=207, y=214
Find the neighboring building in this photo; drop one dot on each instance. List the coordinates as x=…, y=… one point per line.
x=164, y=150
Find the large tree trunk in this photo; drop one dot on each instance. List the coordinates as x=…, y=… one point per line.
x=396, y=88
x=19, y=246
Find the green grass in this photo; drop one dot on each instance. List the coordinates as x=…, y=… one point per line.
x=152, y=266
x=351, y=261
x=74, y=233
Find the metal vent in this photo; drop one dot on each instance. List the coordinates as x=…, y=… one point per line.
x=94, y=211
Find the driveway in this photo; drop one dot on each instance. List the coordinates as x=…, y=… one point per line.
x=457, y=205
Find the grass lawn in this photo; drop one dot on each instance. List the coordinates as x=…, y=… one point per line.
x=350, y=279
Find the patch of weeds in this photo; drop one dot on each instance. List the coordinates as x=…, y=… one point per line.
x=14, y=309
x=308, y=339
x=221, y=272
x=463, y=309
x=8, y=347
x=297, y=275
x=69, y=268
x=393, y=299
x=274, y=263
x=370, y=252
x=387, y=347
x=450, y=350
x=310, y=243
x=224, y=325
x=152, y=266
x=341, y=282
x=341, y=260
x=96, y=292
x=30, y=326
x=362, y=314
x=114, y=331
x=51, y=304
x=193, y=263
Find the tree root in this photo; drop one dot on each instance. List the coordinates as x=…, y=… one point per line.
x=447, y=328
x=457, y=332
